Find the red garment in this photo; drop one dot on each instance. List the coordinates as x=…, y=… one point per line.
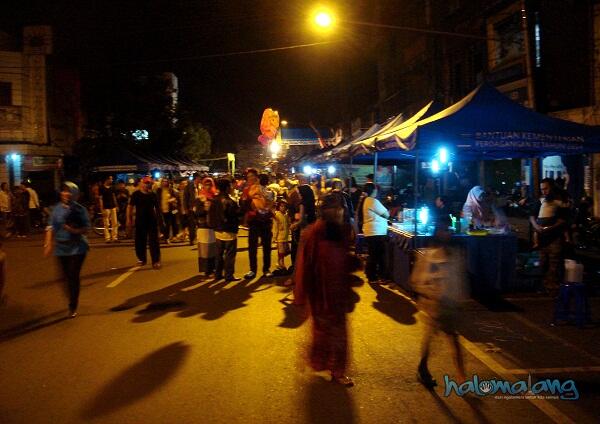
x=322, y=277
x=208, y=194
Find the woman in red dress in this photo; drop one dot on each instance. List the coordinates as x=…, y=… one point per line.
x=323, y=279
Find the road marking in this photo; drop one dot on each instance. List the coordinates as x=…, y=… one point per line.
x=543, y=405
x=553, y=370
x=554, y=337
x=123, y=277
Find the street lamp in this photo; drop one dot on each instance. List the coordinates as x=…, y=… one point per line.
x=321, y=18
x=324, y=19
x=284, y=123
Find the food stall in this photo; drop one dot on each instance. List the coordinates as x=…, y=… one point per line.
x=484, y=125
x=490, y=254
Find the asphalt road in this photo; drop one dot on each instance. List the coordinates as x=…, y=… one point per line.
x=166, y=347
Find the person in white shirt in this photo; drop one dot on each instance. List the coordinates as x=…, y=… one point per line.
x=375, y=228
x=5, y=208
x=33, y=215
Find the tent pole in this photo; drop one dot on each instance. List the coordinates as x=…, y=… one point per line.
x=536, y=171
x=351, y=173
x=415, y=191
x=375, y=168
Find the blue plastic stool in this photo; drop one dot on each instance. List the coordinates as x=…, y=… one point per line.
x=562, y=309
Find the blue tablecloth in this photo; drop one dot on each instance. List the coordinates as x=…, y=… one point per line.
x=491, y=259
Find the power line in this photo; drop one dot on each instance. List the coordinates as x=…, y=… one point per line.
x=238, y=53
x=207, y=56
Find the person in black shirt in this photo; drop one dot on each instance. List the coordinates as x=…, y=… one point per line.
x=226, y=213
x=442, y=214
x=353, y=191
x=108, y=206
x=147, y=218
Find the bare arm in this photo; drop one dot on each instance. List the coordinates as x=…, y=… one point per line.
x=534, y=224
x=129, y=215
x=48, y=240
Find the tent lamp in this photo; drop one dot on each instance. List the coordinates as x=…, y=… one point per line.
x=443, y=155
x=424, y=215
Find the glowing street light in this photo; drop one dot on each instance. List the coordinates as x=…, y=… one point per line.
x=284, y=123
x=331, y=170
x=323, y=19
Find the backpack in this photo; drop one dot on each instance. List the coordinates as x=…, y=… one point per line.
x=215, y=217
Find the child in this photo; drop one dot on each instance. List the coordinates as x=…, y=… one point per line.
x=281, y=234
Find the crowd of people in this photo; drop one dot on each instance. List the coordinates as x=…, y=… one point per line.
x=303, y=216
x=300, y=215
x=20, y=210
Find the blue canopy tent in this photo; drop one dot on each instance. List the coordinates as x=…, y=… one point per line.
x=486, y=125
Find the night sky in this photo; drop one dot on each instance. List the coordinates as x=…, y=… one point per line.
x=109, y=39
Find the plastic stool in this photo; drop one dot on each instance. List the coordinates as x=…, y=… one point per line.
x=563, y=303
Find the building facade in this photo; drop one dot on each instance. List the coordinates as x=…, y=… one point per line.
x=40, y=114
x=540, y=53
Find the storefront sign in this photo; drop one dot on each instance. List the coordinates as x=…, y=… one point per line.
x=42, y=163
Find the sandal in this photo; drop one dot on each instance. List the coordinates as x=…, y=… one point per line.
x=344, y=380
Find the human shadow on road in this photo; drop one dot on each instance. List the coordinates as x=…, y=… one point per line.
x=330, y=403
x=138, y=381
x=393, y=305
x=294, y=315
x=210, y=299
x=32, y=325
x=84, y=276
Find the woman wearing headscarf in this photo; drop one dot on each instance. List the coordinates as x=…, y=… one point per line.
x=323, y=269
x=205, y=235
x=480, y=210
x=65, y=236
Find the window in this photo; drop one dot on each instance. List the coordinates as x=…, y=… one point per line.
x=5, y=93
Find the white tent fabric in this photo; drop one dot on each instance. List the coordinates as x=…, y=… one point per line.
x=398, y=132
